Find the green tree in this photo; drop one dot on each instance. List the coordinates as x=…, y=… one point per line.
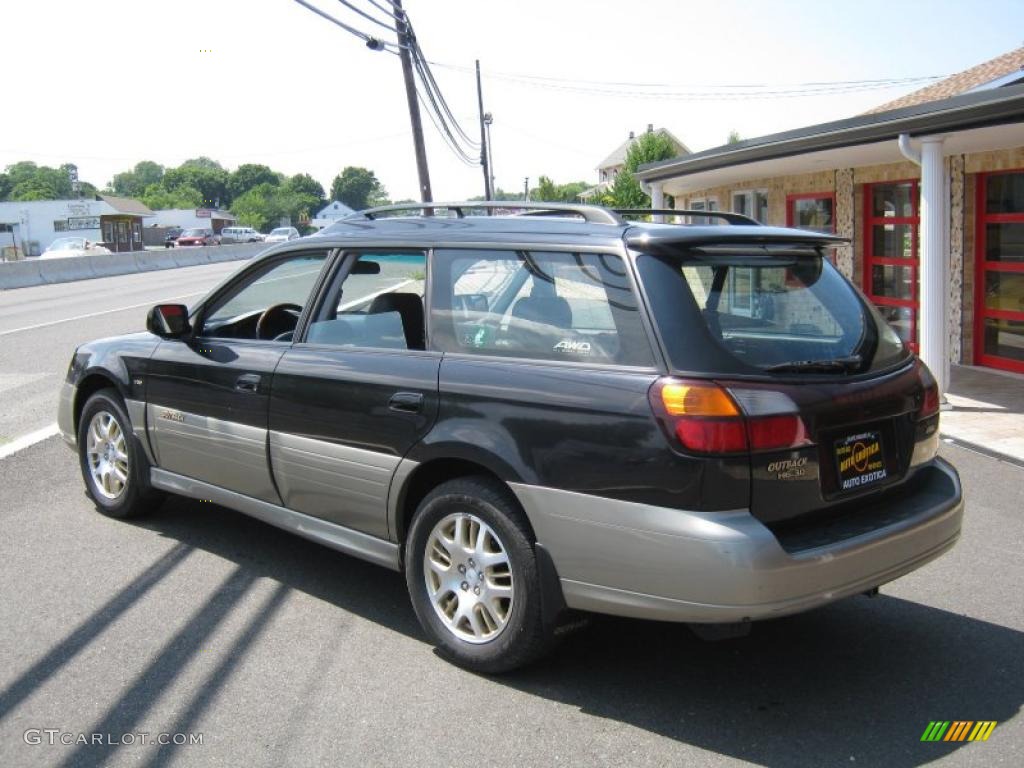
x=549, y=192
x=358, y=188
x=627, y=193
x=304, y=184
x=5, y=186
x=156, y=197
x=263, y=206
x=650, y=147
x=248, y=176
x=734, y=137
x=136, y=181
x=29, y=181
x=212, y=183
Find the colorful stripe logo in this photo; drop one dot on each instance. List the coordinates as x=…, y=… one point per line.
x=958, y=730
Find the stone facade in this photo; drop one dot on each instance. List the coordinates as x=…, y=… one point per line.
x=956, y=257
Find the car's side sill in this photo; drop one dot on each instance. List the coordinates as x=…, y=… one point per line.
x=335, y=536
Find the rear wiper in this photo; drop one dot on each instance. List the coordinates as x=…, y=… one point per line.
x=844, y=364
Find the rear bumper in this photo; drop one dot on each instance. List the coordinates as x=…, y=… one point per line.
x=657, y=563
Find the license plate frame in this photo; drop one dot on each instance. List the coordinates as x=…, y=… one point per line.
x=860, y=460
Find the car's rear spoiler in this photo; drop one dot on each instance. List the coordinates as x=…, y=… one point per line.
x=654, y=238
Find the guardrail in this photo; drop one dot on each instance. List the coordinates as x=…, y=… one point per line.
x=22, y=274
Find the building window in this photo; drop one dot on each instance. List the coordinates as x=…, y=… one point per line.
x=815, y=212
x=60, y=225
x=999, y=277
x=6, y=227
x=703, y=204
x=891, y=222
x=752, y=203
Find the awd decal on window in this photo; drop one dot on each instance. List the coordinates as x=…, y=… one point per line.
x=573, y=347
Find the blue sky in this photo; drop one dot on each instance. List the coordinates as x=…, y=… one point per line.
x=116, y=81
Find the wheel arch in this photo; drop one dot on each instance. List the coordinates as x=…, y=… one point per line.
x=411, y=487
x=89, y=385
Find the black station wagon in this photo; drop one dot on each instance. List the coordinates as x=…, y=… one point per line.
x=546, y=410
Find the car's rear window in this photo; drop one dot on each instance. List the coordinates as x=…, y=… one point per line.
x=763, y=310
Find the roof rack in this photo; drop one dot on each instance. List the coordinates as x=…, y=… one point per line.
x=727, y=216
x=591, y=213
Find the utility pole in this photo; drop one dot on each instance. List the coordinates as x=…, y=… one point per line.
x=405, y=41
x=488, y=192
x=526, y=188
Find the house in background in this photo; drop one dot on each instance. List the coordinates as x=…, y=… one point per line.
x=329, y=214
x=609, y=168
x=929, y=189
x=28, y=227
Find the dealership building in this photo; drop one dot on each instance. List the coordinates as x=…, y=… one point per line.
x=28, y=227
x=928, y=189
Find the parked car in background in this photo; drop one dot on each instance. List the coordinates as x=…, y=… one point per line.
x=66, y=247
x=283, y=234
x=241, y=235
x=198, y=237
x=171, y=238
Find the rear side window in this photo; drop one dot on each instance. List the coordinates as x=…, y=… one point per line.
x=543, y=305
x=763, y=310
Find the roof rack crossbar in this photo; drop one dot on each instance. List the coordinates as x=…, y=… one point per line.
x=591, y=213
x=727, y=216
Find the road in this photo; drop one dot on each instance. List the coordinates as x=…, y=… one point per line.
x=41, y=326
x=279, y=652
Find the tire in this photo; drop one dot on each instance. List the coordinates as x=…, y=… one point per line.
x=123, y=491
x=482, y=631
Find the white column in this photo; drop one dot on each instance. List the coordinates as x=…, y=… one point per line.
x=658, y=200
x=933, y=276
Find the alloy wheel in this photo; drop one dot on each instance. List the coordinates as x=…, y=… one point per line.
x=468, y=577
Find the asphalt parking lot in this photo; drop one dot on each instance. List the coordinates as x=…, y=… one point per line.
x=276, y=651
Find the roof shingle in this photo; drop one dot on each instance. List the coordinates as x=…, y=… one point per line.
x=1012, y=61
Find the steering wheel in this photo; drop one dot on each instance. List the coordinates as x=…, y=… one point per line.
x=270, y=322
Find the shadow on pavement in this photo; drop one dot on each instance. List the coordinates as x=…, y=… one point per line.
x=860, y=679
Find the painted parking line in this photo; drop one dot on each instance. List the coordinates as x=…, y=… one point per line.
x=25, y=441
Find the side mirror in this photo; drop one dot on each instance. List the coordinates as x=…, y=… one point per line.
x=168, y=321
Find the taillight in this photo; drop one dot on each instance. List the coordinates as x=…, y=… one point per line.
x=705, y=418
x=930, y=398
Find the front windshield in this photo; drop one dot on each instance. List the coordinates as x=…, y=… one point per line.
x=193, y=233
x=280, y=231
x=759, y=310
x=67, y=244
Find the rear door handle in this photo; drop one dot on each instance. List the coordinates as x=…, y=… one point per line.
x=406, y=402
x=248, y=382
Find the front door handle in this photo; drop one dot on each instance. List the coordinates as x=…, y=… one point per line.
x=406, y=402
x=248, y=382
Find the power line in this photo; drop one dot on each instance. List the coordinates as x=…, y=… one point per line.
x=431, y=84
x=389, y=11
x=697, y=92
x=365, y=15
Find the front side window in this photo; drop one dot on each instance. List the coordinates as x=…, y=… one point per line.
x=543, y=305
x=267, y=302
x=762, y=310
x=375, y=301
